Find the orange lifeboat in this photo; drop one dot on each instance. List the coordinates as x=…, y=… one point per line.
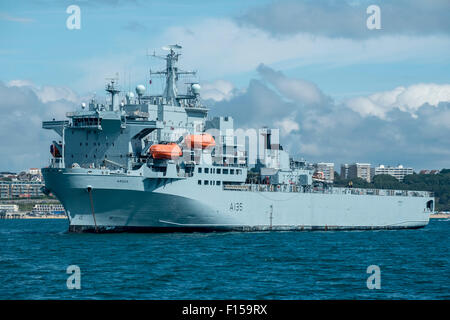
x=165, y=151
x=196, y=141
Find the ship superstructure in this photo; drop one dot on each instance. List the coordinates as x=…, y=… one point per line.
x=158, y=163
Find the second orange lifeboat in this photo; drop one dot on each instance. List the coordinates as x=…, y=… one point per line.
x=165, y=151
x=196, y=141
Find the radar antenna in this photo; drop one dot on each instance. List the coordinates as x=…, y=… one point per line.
x=172, y=72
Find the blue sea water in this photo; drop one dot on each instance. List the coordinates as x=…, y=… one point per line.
x=34, y=256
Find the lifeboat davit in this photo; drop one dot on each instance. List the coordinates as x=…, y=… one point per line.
x=165, y=151
x=196, y=141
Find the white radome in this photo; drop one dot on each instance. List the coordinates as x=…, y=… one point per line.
x=140, y=90
x=196, y=88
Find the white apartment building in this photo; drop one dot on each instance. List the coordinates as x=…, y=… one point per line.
x=397, y=172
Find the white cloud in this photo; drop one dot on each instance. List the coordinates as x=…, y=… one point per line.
x=407, y=99
x=347, y=18
x=24, y=106
x=287, y=125
x=294, y=89
x=47, y=93
x=219, y=47
x=7, y=17
x=218, y=90
x=336, y=132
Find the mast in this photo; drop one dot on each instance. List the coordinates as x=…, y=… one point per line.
x=113, y=91
x=170, y=91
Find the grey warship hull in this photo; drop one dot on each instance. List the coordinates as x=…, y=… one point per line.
x=118, y=203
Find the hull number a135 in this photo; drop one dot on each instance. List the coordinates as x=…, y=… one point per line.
x=236, y=206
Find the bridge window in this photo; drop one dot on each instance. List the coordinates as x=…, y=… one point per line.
x=238, y=171
x=218, y=183
x=231, y=171
x=199, y=170
x=200, y=182
x=206, y=182
x=225, y=171
x=218, y=171
x=206, y=170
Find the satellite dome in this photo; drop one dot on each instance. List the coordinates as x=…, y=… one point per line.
x=140, y=90
x=196, y=88
x=130, y=94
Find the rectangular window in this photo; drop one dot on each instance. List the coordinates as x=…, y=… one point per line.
x=199, y=170
x=206, y=182
x=206, y=170
x=200, y=182
x=238, y=171
x=225, y=171
x=213, y=170
x=231, y=171
x=218, y=171
x=218, y=183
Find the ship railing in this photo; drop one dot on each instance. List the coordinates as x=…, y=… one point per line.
x=56, y=163
x=379, y=192
x=329, y=190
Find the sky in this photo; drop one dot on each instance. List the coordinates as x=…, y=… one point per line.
x=338, y=91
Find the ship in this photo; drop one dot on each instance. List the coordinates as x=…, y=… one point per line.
x=145, y=162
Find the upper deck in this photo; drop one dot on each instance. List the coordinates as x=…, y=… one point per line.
x=328, y=190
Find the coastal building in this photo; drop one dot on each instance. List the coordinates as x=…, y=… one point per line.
x=359, y=170
x=46, y=209
x=34, y=171
x=20, y=189
x=327, y=169
x=11, y=215
x=9, y=208
x=8, y=175
x=429, y=171
x=397, y=172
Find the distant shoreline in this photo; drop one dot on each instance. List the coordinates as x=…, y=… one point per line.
x=44, y=217
x=22, y=217
x=440, y=216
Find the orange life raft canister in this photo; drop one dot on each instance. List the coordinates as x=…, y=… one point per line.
x=196, y=141
x=165, y=151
